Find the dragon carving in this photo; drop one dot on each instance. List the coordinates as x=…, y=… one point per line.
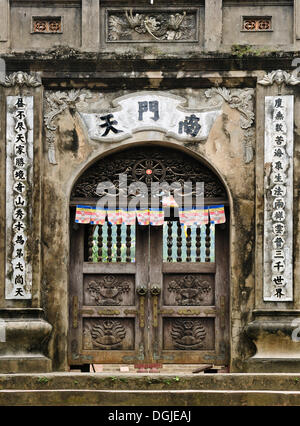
x=158, y=27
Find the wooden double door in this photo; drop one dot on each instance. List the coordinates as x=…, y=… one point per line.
x=149, y=294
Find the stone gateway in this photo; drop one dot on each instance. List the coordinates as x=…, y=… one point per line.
x=149, y=185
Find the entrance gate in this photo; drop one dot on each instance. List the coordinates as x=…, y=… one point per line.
x=149, y=293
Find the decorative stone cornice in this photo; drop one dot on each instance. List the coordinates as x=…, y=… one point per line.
x=279, y=77
x=21, y=79
x=242, y=100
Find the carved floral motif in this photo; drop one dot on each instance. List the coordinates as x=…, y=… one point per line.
x=108, y=290
x=178, y=167
x=108, y=334
x=279, y=77
x=20, y=79
x=190, y=290
x=157, y=25
x=188, y=334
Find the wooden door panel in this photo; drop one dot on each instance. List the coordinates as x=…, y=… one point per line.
x=151, y=310
x=188, y=334
x=107, y=309
x=108, y=334
x=188, y=290
x=109, y=289
x=192, y=324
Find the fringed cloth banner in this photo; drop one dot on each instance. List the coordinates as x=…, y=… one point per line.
x=217, y=214
x=153, y=216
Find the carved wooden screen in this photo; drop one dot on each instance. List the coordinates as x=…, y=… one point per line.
x=149, y=293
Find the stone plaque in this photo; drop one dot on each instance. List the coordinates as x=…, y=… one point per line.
x=278, y=204
x=146, y=111
x=19, y=182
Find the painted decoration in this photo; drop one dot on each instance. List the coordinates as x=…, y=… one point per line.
x=278, y=190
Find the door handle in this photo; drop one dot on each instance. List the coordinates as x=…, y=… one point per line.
x=75, y=312
x=142, y=292
x=155, y=292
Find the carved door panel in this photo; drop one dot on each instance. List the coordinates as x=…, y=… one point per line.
x=149, y=294
x=188, y=302
x=108, y=286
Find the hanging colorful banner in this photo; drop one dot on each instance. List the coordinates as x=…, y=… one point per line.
x=188, y=216
x=114, y=217
x=217, y=214
x=98, y=216
x=156, y=217
x=128, y=217
x=143, y=216
x=192, y=216
x=83, y=214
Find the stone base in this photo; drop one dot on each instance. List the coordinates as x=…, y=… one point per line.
x=273, y=365
x=25, y=364
x=275, y=335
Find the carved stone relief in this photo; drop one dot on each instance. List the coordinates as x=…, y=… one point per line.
x=280, y=78
x=21, y=79
x=158, y=25
x=54, y=104
x=242, y=100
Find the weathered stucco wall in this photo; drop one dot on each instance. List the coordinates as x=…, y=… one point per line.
x=224, y=151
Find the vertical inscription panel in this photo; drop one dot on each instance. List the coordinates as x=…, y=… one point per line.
x=19, y=178
x=278, y=202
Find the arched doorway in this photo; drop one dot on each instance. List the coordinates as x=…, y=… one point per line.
x=141, y=293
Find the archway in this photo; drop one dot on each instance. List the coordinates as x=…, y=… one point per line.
x=142, y=293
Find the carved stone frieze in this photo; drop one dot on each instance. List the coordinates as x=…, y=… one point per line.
x=279, y=77
x=158, y=25
x=54, y=104
x=190, y=290
x=21, y=79
x=188, y=334
x=242, y=100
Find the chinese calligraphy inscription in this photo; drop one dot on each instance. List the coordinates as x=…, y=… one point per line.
x=143, y=111
x=278, y=216
x=19, y=164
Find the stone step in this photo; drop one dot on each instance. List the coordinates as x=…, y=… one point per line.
x=150, y=382
x=154, y=398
